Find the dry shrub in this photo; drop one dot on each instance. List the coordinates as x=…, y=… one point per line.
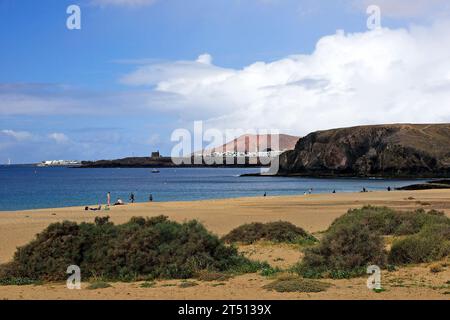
x=432, y=243
x=387, y=221
x=344, y=252
x=436, y=268
x=139, y=249
x=280, y=231
x=99, y=285
x=354, y=241
x=297, y=285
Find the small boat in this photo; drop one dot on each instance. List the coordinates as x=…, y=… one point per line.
x=155, y=171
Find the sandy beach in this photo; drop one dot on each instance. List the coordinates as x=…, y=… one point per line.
x=313, y=212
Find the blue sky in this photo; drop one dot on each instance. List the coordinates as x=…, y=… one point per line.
x=131, y=75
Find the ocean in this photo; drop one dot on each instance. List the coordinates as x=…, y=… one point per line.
x=29, y=187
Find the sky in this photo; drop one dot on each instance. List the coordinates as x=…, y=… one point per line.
x=139, y=69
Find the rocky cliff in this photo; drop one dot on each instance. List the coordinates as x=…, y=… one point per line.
x=399, y=150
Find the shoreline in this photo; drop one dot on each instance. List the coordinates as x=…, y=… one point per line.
x=208, y=199
x=313, y=212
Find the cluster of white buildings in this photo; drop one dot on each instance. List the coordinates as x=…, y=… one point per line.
x=59, y=163
x=236, y=154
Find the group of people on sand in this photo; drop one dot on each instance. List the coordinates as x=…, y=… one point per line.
x=334, y=191
x=119, y=202
x=365, y=190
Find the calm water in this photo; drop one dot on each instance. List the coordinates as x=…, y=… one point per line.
x=23, y=187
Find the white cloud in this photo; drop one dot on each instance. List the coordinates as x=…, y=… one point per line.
x=381, y=76
x=17, y=135
x=205, y=58
x=58, y=137
x=18, y=99
x=131, y=3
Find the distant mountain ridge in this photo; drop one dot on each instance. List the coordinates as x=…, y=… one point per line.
x=395, y=150
x=250, y=143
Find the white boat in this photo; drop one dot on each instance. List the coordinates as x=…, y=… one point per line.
x=155, y=171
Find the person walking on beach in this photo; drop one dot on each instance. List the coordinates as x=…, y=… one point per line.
x=132, y=197
x=108, y=198
x=150, y=198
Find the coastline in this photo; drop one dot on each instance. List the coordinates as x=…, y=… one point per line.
x=313, y=212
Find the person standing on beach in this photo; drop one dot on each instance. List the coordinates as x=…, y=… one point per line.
x=108, y=198
x=132, y=197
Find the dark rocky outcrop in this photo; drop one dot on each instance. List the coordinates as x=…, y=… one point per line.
x=398, y=150
x=425, y=186
x=168, y=162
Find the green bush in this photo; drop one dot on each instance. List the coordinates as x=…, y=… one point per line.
x=98, y=285
x=139, y=249
x=48, y=256
x=148, y=284
x=273, y=231
x=354, y=241
x=18, y=282
x=430, y=244
x=345, y=251
x=387, y=221
x=297, y=285
x=270, y=271
x=188, y=284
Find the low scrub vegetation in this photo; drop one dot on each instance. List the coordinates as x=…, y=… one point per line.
x=387, y=221
x=296, y=284
x=99, y=285
x=188, y=284
x=140, y=249
x=12, y=281
x=432, y=243
x=355, y=241
x=280, y=231
x=344, y=252
x=148, y=284
x=436, y=268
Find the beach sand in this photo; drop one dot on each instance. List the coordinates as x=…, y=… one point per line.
x=314, y=213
